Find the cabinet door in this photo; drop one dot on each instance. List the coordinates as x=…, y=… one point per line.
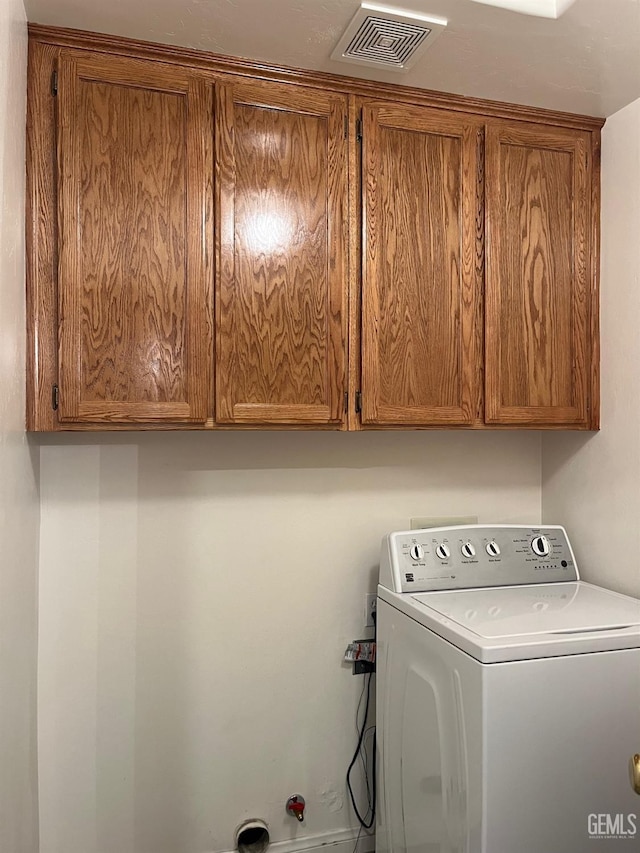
x=134, y=156
x=281, y=287
x=422, y=266
x=537, y=296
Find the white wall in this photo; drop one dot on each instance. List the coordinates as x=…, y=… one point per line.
x=197, y=593
x=18, y=497
x=591, y=483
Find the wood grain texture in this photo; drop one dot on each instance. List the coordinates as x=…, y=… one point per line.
x=134, y=145
x=41, y=240
x=594, y=290
x=478, y=304
x=537, y=300
x=422, y=272
x=217, y=64
x=281, y=296
x=177, y=71
x=355, y=265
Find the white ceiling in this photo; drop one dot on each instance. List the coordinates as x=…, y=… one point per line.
x=587, y=61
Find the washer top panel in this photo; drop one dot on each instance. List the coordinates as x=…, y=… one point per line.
x=475, y=556
x=506, y=624
x=558, y=609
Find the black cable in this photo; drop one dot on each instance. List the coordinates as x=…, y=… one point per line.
x=366, y=824
x=364, y=761
x=364, y=757
x=355, y=846
x=368, y=772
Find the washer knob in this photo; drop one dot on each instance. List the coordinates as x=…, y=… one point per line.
x=468, y=550
x=540, y=546
x=416, y=552
x=493, y=549
x=443, y=551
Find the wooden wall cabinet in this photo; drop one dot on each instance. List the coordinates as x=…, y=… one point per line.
x=281, y=300
x=422, y=265
x=216, y=244
x=479, y=286
x=134, y=148
x=538, y=301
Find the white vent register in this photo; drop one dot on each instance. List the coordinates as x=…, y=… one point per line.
x=387, y=38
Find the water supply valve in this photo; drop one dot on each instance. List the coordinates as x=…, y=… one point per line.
x=295, y=806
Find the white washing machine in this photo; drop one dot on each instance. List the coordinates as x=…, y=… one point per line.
x=508, y=697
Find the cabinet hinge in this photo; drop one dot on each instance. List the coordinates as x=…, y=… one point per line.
x=54, y=83
x=358, y=402
x=359, y=130
x=346, y=127
x=346, y=401
x=55, y=397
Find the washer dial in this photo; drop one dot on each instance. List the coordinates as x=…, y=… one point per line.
x=468, y=550
x=443, y=551
x=540, y=546
x=493, y=549
x=416, y=552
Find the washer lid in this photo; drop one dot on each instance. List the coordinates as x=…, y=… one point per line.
x=527, y=611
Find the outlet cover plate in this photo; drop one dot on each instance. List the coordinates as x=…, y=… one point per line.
x=370, y=600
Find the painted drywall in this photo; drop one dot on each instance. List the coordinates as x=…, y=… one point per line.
x=19, y=506
x=584, y=62
x=591, y=483
x=197, y=593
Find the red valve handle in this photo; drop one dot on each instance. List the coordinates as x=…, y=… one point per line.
x=295, y=806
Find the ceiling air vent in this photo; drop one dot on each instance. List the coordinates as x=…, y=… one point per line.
x=386, y=37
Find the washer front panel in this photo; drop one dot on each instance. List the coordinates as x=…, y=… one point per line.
x=475, y=556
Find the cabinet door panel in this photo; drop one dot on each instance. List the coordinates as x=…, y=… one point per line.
x=134, y=151
x=422, y=266
x=281, y=293
x=538, y=215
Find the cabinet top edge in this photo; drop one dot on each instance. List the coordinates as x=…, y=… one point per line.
x=202, y=60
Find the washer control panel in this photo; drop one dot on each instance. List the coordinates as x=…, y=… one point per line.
x=475, y=556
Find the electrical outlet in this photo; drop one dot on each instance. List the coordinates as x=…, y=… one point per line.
x=430, y=521
x=370, y=604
